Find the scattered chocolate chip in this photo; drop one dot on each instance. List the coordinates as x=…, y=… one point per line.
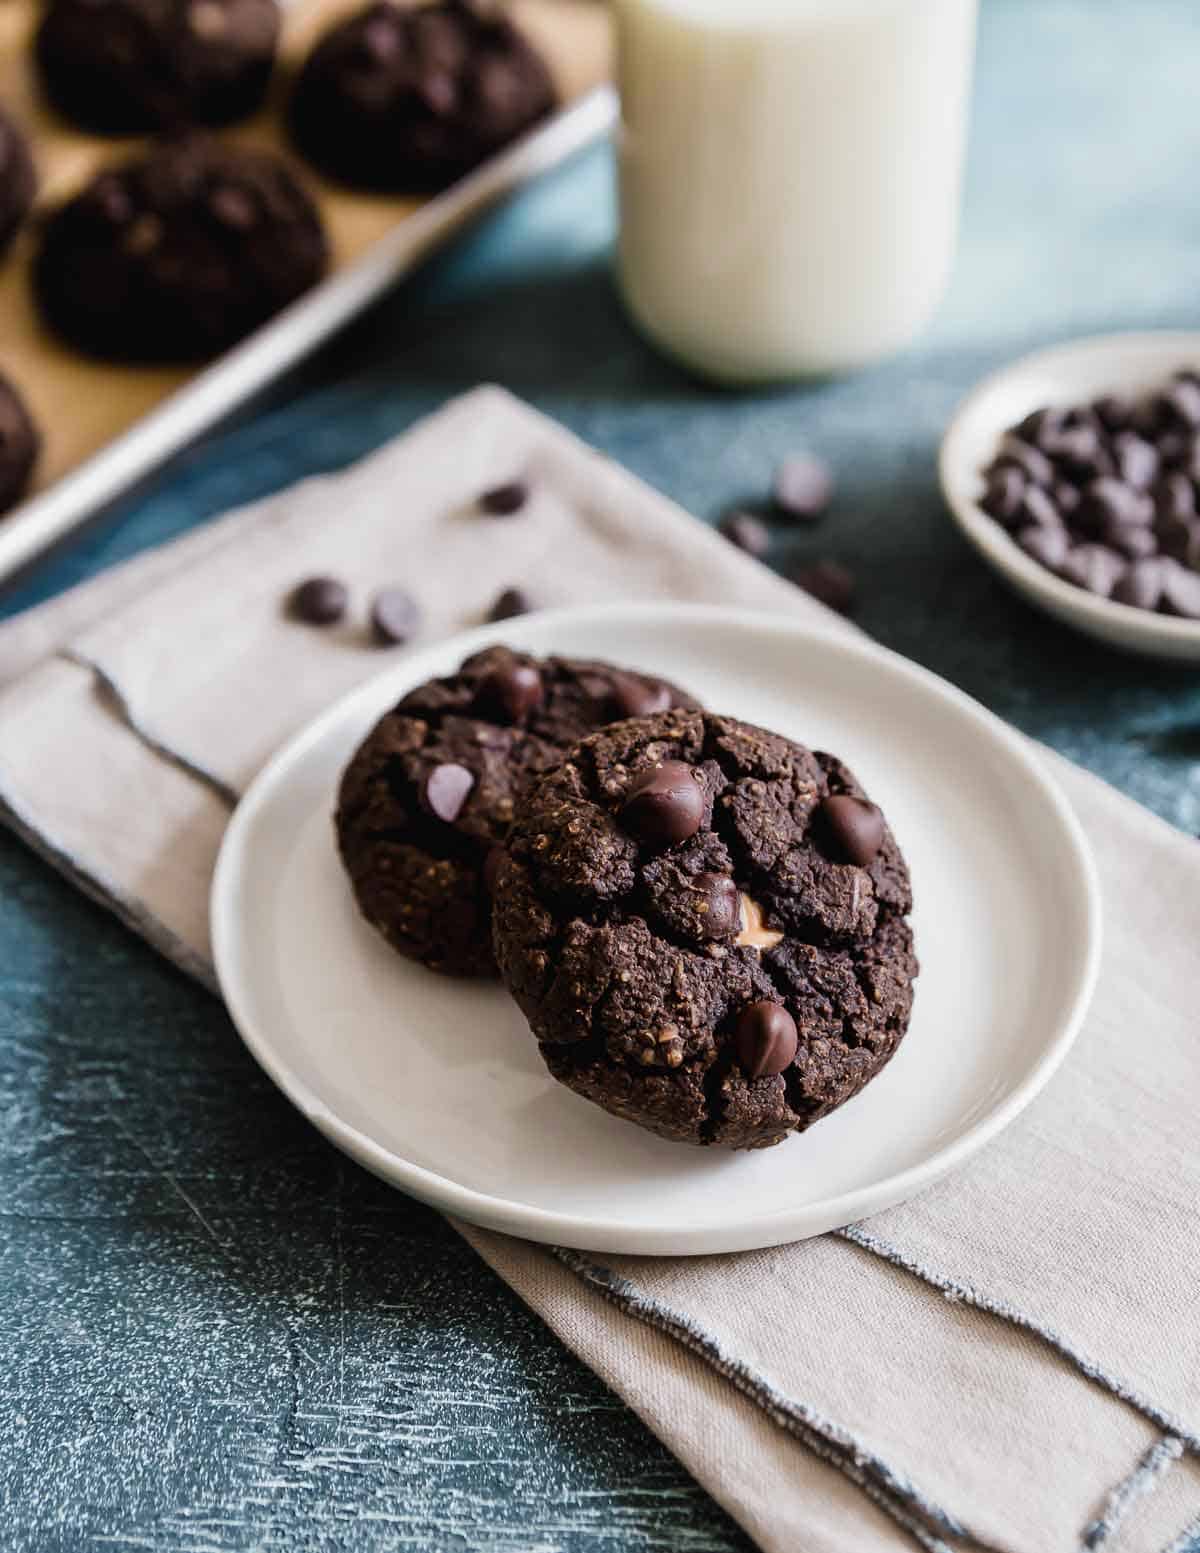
x=511, y=692
x=501, y=501
x=1142, y=584
x=493, y=862
x=632, y=697
x=510, y=603
x=321, y=601
x=828, y=581
x=720, y=906
x=1048, y=546
x=665, y=804
x=765, y=1039
x=802, y=488
x=446, y=790
x=394, y=616
x=855, y=827
x=747, y=532
x=1094, y=568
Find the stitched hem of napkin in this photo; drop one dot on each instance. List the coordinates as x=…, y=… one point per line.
x=1143, y=1480
x=105, y=893
x=1188, y=1539
x=889, y=1489
x=118, y=704
x=1062, y=1346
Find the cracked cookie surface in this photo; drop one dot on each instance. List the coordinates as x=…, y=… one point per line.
x=653, y=931
x=427, y=800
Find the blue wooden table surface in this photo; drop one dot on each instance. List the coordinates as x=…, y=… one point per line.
x=215, y=1333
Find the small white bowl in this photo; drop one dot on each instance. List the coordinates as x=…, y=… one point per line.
x=1129, y=364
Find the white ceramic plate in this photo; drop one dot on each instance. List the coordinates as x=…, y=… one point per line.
x=1064, y=375
x=437, y=1086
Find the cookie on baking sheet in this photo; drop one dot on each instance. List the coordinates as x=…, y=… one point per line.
x=428, y=797
x=126, y=66
x=409, y=99
x=178, y=254
x=19, y=445
x=18, y=182
x=705, y=924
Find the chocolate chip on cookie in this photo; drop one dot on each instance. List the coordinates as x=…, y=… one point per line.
x=446, y=789
x=706, y=926
x=665, y=804
x=765, y=1038
x=856, y=827
x=426, y=803
x=633, y=695
x=511, y=692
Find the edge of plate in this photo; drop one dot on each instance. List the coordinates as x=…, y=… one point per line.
x=605, y=1235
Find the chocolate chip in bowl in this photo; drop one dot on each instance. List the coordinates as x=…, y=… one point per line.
x=1073, y=469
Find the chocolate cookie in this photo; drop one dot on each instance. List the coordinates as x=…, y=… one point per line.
x=409, y=100
x=428, y=797
x=179, y=254
x=705, y=925
x=125, y=66
x=17, y=179
x=19, y=445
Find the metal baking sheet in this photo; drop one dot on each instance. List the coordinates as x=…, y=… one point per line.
x=106, y=426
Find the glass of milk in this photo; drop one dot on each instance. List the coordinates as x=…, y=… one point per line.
x=790, y=175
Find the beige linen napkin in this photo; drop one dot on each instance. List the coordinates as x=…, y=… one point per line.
x=1012, y=1360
